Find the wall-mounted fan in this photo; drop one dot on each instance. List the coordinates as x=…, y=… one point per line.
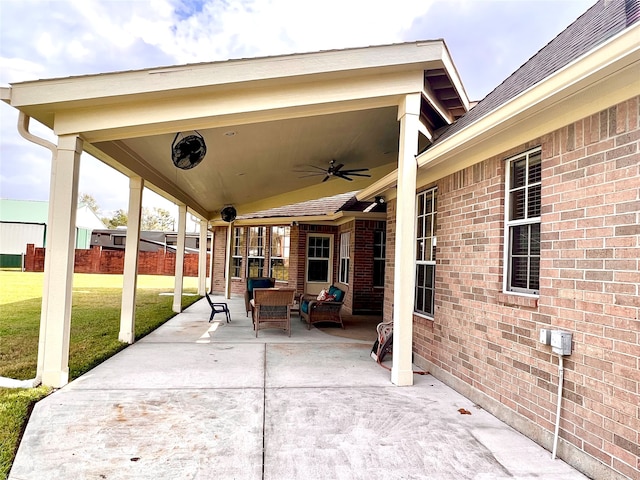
x=189, y=151
x=228, y=214
x=336, y=170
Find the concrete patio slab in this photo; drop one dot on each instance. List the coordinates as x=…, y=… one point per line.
x=395, y=433
x=144, y=434
x=323, y=365
x=178, y=365
x=200, y=400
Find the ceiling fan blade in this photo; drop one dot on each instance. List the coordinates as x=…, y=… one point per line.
x=308, y=174
x=326, y=178
x=341, y=175
x=335, y=169
x=357, y=174
x=352, y=170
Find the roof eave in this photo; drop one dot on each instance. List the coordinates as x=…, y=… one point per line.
x=610, y=70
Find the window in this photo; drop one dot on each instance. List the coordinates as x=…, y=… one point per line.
x=425, y=252
x=255, y=255
x=119, y=240
x=345, y=240
x=279, y=258
x=379, y=257
x=522, y=230
x=318, y=257
x=236, y=259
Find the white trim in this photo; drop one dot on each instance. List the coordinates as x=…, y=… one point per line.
x=565, y=96
x=257, y=229
x=310, y=287
x=345, y=254
x=508, y=224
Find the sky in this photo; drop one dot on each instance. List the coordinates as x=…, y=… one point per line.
x=487, y=39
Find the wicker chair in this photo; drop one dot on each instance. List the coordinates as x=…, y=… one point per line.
x=272, y=308
x=256, y=282
x=313, y=310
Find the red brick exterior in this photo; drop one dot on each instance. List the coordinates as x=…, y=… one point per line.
x=98, y=260
x=485, y=342
x=366, y=297
x=361, y=296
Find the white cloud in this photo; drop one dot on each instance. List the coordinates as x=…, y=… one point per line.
x=73, y=37
x=18, y=69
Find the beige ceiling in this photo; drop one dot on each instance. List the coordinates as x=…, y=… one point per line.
x=266, y=122
x=245, y=164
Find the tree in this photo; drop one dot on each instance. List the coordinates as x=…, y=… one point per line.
x=90, y=201
x=118, y=219
x=156, y=219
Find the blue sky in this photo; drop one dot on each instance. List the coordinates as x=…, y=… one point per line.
x=488, y=40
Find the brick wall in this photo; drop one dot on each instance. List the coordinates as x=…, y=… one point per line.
x=485, y=342
x=98, y=260
x=366, y=298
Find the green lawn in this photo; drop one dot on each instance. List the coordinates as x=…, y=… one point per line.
x=95, y=323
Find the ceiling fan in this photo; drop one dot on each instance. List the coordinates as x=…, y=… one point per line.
x=335, y=170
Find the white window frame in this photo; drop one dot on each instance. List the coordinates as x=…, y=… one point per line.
x=425, y=255
x=379, y=254
x=255, y=252
x=533, y=221
x=280, y=252
x=236, y=258
x=314, y=286
x=345, y=257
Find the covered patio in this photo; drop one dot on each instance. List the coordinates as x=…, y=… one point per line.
x=263, y=121
x=203, y=400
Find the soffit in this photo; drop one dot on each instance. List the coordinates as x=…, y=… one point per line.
x=264, y=121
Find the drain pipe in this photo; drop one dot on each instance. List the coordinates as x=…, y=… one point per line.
x=557, y=430
x=23, y=130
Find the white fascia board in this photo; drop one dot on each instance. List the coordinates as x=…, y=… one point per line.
x=139, y=117
x=337, y=218
x=452, y=71
x=226, y=73
x=617, y=54
x=5, y=94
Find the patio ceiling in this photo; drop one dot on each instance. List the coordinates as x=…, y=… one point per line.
x=265, y=121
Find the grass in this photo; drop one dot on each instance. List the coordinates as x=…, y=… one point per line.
x=95, y=323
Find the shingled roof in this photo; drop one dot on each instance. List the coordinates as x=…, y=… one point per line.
x=319, y=207
x=603, y=20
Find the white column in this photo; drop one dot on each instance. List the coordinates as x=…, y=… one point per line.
x=202, y=258
x=55, y=317
x=131, y=252
x=228, y=263
x=404, y=275
x=182, y=228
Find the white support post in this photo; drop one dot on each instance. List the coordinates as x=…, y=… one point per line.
x=404, y=276
x=55, y=318
x=211, y=261
x=202, y=258
x=228, y=263
x=131, y=252
x=182, y=228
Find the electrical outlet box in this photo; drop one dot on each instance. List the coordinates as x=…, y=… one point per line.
x=545, y=336
x=561, y=342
